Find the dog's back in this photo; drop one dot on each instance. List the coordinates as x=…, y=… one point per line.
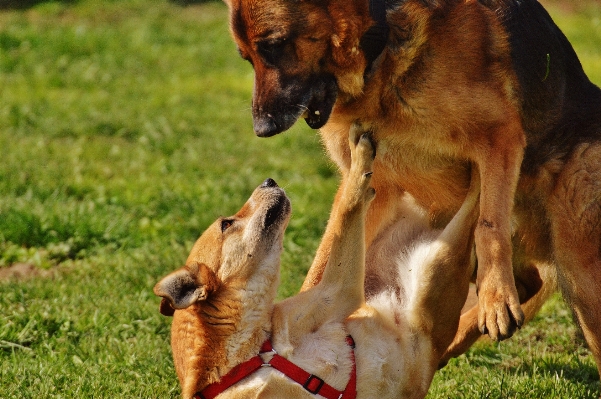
x=561, y=108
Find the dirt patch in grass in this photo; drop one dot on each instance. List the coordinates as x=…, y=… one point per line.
x=23, y=271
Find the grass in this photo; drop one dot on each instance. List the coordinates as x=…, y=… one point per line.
x=125, y=129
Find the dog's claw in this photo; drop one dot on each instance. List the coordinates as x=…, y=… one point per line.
x=500, y=325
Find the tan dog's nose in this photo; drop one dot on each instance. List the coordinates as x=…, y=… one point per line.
x=269, y=182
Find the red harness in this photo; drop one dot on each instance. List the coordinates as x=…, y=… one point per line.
x=311, y=383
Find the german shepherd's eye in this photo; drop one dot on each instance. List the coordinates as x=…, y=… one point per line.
x=225, y=224
x=272, y=50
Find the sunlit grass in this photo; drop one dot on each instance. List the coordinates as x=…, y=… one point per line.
x=125, y=130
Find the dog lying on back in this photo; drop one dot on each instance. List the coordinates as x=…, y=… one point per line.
x=225, y=311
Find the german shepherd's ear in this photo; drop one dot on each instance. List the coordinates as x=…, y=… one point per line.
x=186, y=286
x=433, y=4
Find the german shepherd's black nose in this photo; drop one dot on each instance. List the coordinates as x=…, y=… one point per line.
x=269, y=182
x=265, y=126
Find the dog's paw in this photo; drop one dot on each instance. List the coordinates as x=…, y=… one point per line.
x=362, y=156
x=499, y=312
x=363, y=148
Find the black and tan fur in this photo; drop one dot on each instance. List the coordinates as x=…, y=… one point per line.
x=489, y=82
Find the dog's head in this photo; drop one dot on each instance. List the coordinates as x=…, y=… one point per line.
x=231, y=249
x=304, y=53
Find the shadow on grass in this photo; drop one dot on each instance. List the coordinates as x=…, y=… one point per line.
x=24, y=4
x=576, y=371
x=570, y=368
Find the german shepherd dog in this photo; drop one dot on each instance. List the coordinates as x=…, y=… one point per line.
x=442, y=84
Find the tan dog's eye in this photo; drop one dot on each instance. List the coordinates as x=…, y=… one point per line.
x=225, y=224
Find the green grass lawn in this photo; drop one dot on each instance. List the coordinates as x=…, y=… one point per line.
x=125, y=129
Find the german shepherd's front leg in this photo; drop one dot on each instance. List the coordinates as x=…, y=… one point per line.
x=499, y=305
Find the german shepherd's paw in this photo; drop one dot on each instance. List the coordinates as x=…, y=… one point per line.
x=499, y=310
x=363, y=152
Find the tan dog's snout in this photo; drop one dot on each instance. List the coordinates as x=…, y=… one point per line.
x=269, y=182
x=279, y=205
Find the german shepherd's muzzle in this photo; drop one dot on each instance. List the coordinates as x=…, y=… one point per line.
x=302, y=56
x=278, y=105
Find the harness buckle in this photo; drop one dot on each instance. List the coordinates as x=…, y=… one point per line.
x=267, y=349
x=310, y=380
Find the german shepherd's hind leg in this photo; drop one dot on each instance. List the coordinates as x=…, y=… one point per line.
x=575, y=209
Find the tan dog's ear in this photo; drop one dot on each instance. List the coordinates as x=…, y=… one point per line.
x=165, y=308
x=186, y=286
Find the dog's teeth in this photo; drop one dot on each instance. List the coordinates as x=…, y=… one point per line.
x=316, y=112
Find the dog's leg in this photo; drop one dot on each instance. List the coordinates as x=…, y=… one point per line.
x=322, y=254
x=575, y=210
x=499, y=306
x=387, y=206
x=345, y=270
x=443, y=285
x=344, y=274
x=534, y=291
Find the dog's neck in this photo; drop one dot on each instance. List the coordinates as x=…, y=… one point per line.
x=258, y=298
x=407, y=47
x=374, y=40
x=226, y=330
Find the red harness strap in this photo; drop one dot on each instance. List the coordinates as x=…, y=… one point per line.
x=311, y=383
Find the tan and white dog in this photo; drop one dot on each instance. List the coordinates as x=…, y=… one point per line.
x=225, y=295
